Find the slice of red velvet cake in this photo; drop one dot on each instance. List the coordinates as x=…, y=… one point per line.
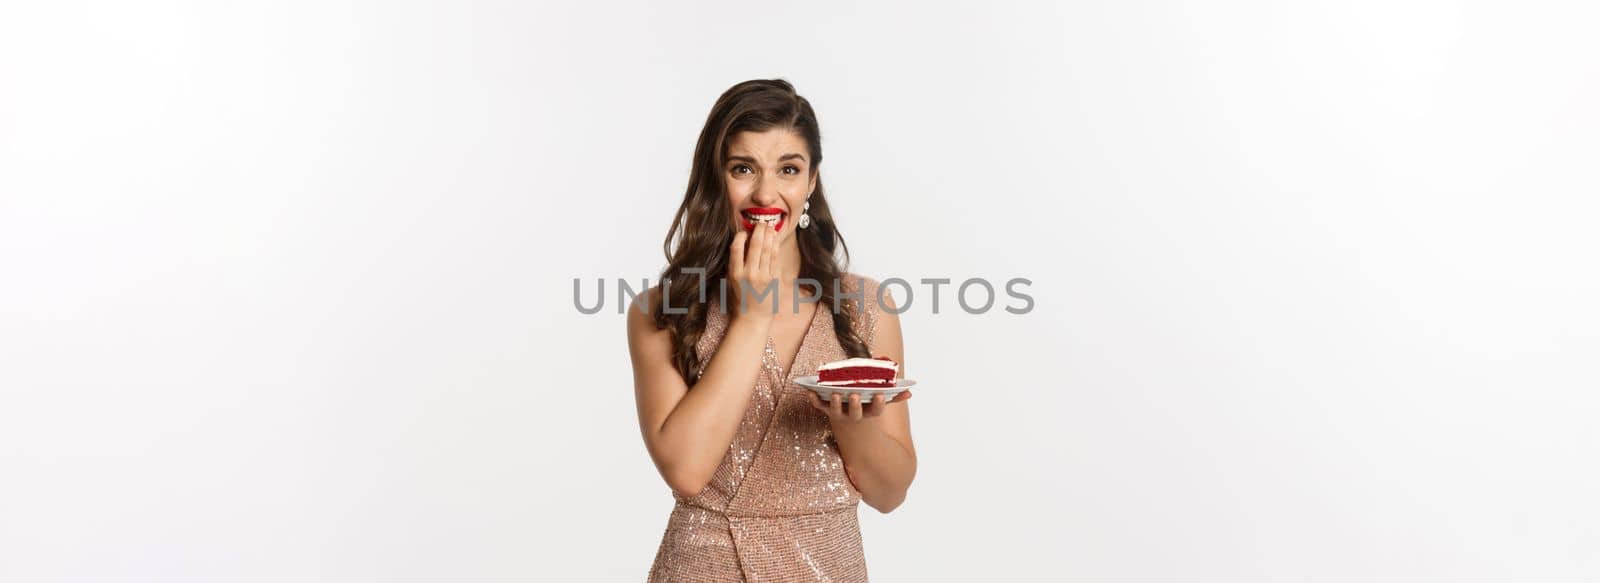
x=877, y=372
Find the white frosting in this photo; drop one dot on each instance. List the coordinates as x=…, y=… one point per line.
x=878, y=382
x=866, y=362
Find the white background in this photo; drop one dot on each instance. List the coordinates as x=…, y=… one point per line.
x=286, y=287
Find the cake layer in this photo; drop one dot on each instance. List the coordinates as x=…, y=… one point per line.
x=856, y=372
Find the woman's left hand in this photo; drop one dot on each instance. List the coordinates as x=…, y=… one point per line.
x=852, y=409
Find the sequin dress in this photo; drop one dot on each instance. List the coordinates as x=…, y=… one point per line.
x=779, y=507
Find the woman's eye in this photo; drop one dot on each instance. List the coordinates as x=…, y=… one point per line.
x=736, y=169
x=796, y=170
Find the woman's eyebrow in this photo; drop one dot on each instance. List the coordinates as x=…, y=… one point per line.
x=753, y=160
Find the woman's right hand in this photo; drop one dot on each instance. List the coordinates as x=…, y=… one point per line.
x=753, y=267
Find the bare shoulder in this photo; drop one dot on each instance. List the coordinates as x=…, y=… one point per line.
x=650, y=349
x=641, y=313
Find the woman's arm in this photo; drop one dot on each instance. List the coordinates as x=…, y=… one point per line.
x=875, y=440
x=688, y=432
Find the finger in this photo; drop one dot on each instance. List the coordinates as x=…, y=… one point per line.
x=835, y=404
x=811, y=397
x=772, y=248
x=736, y=254
x=772, y=253
x=749, y=250
x=769, y=259
x=901, y=397
x=769, y=253
x=755, y=258
x=877, y=405
x=855, y=406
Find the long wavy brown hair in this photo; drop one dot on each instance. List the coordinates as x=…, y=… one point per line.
x=703, y=228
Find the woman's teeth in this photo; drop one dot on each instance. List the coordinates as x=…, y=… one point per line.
x=768, y=219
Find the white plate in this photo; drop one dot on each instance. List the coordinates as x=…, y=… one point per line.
x=810, y=382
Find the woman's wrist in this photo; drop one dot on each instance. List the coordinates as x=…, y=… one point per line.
x=756, y=312
x=752, y=317
x=865, y=426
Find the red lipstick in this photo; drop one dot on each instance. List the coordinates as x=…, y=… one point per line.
x=750, y=225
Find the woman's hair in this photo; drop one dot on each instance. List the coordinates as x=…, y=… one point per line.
x=703, y=227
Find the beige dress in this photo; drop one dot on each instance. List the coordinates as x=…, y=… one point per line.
x=779, y=507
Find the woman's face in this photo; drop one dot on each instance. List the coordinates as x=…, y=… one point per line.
x=768, y=177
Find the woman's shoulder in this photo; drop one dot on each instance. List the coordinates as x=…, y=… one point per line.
x=642, y=309
x=857, y=282
x=867, y=300
x=870, y=289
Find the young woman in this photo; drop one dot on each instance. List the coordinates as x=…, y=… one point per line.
x=766, y=477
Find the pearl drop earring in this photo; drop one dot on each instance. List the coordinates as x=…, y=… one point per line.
x=805, y=218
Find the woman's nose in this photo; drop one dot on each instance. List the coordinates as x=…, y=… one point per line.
x=767, y=195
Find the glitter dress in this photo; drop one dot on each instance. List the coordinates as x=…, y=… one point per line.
x=779, y=507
